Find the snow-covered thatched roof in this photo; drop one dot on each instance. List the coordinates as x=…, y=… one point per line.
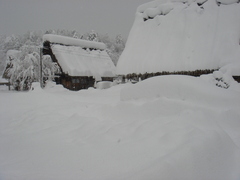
x=76, y=61
x=79, y=57
x=182, y=35
x=57, y=39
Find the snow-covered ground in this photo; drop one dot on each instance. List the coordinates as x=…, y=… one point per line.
x=169, y=127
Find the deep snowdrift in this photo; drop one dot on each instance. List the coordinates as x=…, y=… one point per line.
x=182, y=35
x=169, y=127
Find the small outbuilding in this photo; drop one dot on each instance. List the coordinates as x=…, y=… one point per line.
x=81, y=62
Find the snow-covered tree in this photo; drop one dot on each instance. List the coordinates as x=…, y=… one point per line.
x=115, y=46
x=92, y=36
x=119, y=39
x=76, y=35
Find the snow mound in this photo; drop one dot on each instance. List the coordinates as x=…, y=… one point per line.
x=104, y=85
x=36, y=87
x=182, y=35
x=53, y=87
x=231, y=69
x=224, y=77
x=178, y=87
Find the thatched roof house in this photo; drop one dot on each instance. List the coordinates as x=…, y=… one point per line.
x=181, y=37
x=81, y=62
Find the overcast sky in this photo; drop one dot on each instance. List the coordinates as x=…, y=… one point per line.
x=104, y=16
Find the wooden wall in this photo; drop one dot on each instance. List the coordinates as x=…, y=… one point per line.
x=76, y=83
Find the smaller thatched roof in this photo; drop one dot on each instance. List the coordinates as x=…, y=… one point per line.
x=80, y=57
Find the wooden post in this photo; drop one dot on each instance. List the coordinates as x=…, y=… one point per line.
x=40, y=71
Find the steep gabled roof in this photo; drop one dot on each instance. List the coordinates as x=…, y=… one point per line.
x=80, y=57
x=182, y=35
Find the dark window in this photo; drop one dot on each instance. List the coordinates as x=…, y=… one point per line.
x=75, y=80
x=83, y=80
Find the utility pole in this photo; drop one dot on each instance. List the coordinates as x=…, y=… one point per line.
x=40, y=66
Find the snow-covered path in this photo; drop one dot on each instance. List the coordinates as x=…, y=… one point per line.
x=187, y=130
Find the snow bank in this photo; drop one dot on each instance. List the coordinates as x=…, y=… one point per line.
x=231, y=69
x=73, y=41
x=224, y=77
x=178, y=87
x=36, y=87
x=76, y=61
x=182, y=35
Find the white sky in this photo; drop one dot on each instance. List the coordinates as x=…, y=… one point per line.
x=104, y=16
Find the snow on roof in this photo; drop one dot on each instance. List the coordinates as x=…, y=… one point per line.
x=73, y=41
x=76, y=61
x=182, y=35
